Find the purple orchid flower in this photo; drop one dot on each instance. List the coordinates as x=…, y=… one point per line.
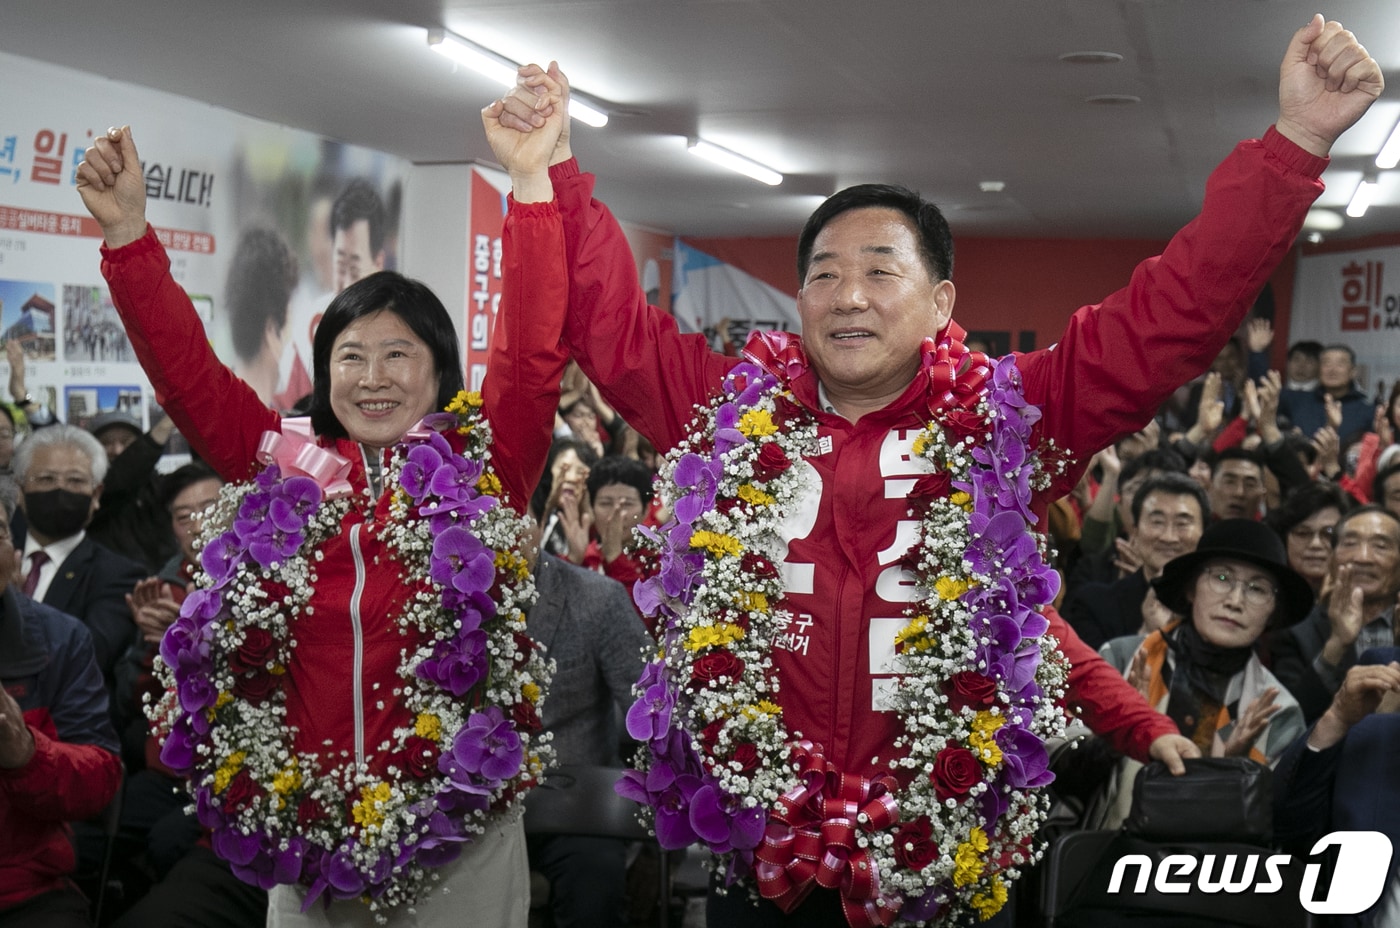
x=487, y=747
x=727, y=435
x=458, y=664
x=460, y=561
x=703, y=478
x=1023, y=754
x=723, y=822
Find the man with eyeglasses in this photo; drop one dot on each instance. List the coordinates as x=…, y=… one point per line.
x=1313, y=657
x=60, y=471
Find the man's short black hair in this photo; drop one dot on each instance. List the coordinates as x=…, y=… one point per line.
x=1171, y=484
x=616, y=469
x=359, y=200
x=1361, y=511
x=935, y=238
x=1166, y=460
x=1338, y=346
x=261, y=278
x=182, y=478
x=1306, y=347
x=1235, y=453
x=1304, y=503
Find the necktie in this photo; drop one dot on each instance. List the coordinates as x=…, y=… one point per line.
x=31, y=581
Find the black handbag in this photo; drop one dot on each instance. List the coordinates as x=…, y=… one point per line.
x=1217, y=799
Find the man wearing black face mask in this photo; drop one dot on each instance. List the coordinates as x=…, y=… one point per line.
x=60, y=471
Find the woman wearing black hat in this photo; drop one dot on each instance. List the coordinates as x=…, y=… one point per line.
x=1203, y=672
x=1201, y=669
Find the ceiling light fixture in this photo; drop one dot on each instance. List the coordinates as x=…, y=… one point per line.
x=1390, y=151
x=1091, y=58
x=1324, y=220
x=1363, y=197
x=737, y=163
x=502, y=70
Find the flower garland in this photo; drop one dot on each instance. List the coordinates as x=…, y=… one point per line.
x=469, y=678
x=937, y=836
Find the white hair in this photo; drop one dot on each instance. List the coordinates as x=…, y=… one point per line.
x=56, y=435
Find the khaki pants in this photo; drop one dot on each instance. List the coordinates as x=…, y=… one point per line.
x=488, y=886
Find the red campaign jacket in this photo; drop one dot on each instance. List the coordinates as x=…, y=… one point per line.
x=47, y=665
x=223, y=419
x=1111, y=369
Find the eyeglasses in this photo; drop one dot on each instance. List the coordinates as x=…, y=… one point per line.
x=1303, y=534
x=1223, y=583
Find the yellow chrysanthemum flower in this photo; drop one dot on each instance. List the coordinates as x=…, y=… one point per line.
x=428, y=725
x=921, y=443
x=761, y=708
x=961, y=498
x=750, y=601
x=989, y=904
x=949, y=589
x=228, y=770
x=707, y=636
x=531, y=692
x=369, y=811
x=717, y=544
x=287, y=779
x=914, y=636
x=757, y=423
x=489, y=484
x=967, y=862
x=754, y=496
x=223, y=699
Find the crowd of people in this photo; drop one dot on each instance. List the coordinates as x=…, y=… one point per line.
x=1222, y=580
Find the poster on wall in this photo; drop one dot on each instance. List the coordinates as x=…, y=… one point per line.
x=725, y=302
x=1352, y=298
x=652, y=251
x=263, y=225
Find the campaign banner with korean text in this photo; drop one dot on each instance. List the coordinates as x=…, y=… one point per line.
x=1352, y=298
x=263, y=225
x=725, y=302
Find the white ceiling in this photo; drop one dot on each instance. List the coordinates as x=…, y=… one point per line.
x=937, y=94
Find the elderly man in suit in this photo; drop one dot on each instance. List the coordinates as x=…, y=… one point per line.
x=60, y=471
x=590, y=630
x=1341, y=774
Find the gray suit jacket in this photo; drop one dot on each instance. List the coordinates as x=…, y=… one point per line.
x=596, y=640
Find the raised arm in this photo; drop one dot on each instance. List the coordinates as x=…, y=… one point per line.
x=521, y=390
x=644, y=367
x=219, y=413
x=1117, y=361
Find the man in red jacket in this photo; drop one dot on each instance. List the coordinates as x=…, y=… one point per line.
x=58, y=760
x=880, y=354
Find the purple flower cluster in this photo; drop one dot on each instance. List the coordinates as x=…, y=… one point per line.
x=1006, y=619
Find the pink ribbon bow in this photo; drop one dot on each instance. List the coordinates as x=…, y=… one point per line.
x=295, y=452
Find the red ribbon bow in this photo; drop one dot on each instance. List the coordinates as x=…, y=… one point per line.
x=811, y=839
x=295, y=452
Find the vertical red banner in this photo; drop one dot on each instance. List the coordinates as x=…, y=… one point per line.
x=488, y=210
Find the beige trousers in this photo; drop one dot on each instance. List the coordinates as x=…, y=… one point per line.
x=488, y=886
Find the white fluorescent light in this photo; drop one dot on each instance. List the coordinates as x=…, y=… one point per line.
x=1361, y=200
x=502, y=70
x=1390, y=151
x=737, y=163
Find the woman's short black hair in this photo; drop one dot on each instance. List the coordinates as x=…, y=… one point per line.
x=411, y=301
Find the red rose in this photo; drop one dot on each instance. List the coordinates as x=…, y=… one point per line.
x=913, y=844
x=771, y=462
x=747, y=756
x=255, y=688
x=525, y=717
x=256, y=651
x=759, y=566
x=309, y=812
x=964, y=423
x=709, y=735
x=955, y=771
x=525, y=645
x=967, y=688
x=241, y=791
x=714, y=665
x=420, y=757
x=727, y=504
x=785, y=410
x=933, y=486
